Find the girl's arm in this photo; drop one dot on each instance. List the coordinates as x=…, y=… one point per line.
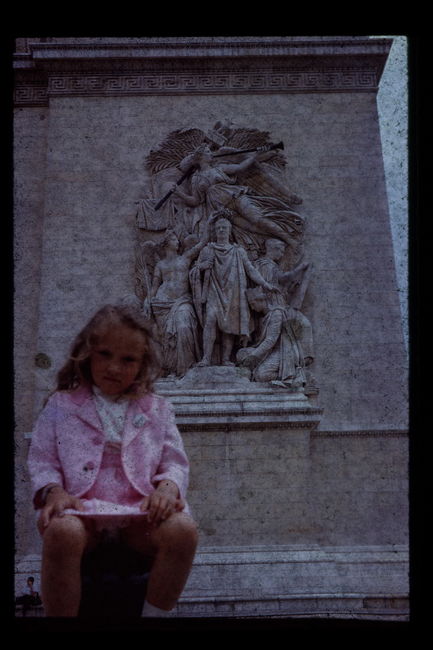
x=43, y=461
x=45, y=468
x=173, y=465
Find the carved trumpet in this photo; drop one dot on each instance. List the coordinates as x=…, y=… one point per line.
x=269, y=147
x=266, y=147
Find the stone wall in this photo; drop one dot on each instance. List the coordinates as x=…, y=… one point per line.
x=279, y=487
x=87, y=112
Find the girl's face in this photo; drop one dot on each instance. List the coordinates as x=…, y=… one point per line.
x=116, y=359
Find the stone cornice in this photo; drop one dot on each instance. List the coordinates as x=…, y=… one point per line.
x=193, y=47
x=197, y=66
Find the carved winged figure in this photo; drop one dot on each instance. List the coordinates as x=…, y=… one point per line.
x=251, y=185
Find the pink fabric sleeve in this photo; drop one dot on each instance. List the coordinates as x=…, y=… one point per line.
x=174, y=464
x=43, y=462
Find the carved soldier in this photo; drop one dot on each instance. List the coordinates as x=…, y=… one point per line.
x=292, y=284
x=284, y=346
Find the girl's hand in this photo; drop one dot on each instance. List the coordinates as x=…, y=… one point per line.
x=163, y=502
x=57, y=501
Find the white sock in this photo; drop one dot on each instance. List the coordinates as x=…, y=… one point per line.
x=150, y=610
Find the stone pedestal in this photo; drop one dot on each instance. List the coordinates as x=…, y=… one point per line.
x=249, y=446
x=224, y=399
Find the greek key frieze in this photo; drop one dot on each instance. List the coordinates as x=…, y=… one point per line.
x=213, y=82
x=31, y=94
x=38, y=93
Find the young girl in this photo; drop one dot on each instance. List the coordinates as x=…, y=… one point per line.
x=106, y=453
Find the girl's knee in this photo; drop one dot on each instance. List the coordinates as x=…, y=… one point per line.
x=179, y=530
x=65, y=534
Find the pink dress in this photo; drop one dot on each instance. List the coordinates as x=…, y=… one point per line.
x=112, y=502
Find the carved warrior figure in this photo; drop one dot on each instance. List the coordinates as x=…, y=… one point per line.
x=199, y=310
x=292, y=284
x=284, y=346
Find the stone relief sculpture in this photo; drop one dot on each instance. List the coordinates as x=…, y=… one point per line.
x=215, y=224
x=217, y=183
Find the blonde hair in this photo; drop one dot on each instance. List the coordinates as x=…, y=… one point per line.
x=76, y=370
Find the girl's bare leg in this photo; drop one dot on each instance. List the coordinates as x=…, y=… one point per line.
x=64, y=542
x=173, y=543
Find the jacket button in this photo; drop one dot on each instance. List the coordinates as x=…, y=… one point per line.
x=88, y=467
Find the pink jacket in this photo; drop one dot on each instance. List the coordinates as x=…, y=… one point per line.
x=68, y=443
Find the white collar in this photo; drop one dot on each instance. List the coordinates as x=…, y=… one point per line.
x=111, y=399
